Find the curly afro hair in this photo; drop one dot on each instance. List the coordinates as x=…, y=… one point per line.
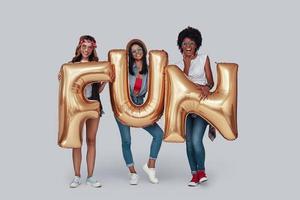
x=192, y=33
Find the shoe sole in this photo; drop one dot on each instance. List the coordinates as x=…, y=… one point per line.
x=192, y=185
x=202, y=180
x=90, y=184
x=74, y=186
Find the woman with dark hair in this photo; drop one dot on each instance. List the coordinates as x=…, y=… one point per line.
x=197, y=68
x=138, y=84
x=86, y=52
x=137, y=60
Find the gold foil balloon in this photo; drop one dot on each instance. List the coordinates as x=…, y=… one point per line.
x=219, y=108
x=74, y=108
x=124, y=109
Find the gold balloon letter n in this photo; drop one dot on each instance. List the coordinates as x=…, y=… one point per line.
x=219, y=108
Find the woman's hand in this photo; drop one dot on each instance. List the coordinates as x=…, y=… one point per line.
x=136, y=93
x=204, y=91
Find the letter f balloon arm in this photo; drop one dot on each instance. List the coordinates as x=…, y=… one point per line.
x=110, y=79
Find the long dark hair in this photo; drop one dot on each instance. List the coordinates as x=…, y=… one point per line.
x=78, y=56
x=131, y=59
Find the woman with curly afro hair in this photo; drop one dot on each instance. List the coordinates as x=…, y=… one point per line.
x=197, y=67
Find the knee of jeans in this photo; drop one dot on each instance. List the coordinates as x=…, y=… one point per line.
x=199, y=148
x=159, y=135
x=197, y=141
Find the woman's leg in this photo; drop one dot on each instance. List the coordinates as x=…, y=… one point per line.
x=91, y=132
x=157, y=135
x=189, y=144
x=198, y=131
x=76, y=155
x=126, y=145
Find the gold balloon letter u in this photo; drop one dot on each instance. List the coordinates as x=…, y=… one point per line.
x=125, y=110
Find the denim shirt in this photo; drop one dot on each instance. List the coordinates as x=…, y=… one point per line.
x=139, y=99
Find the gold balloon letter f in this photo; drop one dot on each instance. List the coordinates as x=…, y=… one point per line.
x=74, y=108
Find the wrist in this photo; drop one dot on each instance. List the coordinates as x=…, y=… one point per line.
x=209, y=85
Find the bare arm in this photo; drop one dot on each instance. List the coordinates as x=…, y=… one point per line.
x=210, y=81
x=208, y=73
x=102, y=85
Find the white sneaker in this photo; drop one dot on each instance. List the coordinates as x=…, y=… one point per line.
x=151, y=173
x=93, y=182
x=134, y=179
x=75, y=182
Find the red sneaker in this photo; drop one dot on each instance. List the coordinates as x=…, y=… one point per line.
x=202, y=176
x=194, y=181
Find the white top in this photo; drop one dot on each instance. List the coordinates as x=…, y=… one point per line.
x=196, y=72
x=88, y=91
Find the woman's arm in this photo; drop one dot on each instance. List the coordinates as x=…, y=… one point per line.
x=102, y=85
x=208, y=74
x=204, y=89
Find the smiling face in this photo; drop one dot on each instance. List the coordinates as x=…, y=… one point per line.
x=188, y=47
x=86, y=49
x=137, y=52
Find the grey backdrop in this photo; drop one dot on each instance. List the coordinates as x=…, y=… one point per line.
x=261, y=36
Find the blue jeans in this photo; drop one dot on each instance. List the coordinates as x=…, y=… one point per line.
x=195, y=128
x=153, y=129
